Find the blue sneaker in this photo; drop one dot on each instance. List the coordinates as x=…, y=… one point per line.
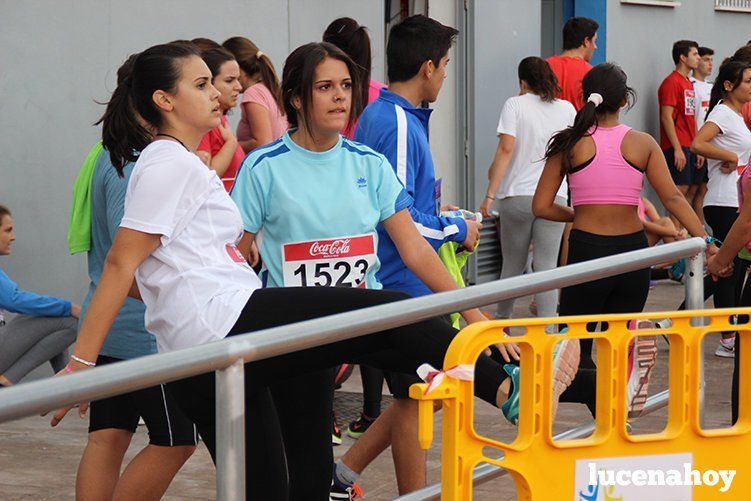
x=677, y=270
x=510, y=407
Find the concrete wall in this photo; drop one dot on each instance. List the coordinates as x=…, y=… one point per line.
x=58, y=56
x=640, y=39
x=503, y=33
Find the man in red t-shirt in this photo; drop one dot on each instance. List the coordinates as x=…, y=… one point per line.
x=579, y=44
x=678, y=119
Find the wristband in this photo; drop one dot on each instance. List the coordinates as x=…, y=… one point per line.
x=713, y=240
x=82, y=361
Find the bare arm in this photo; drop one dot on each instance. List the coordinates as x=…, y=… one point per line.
x=421, y=259
x=666, y=119
x=247, y=247
x=543, y=203
x=220, y=162
x=260, y=126
x=735, y=240
x=702, y=145
x=497, y=170
x=673, y=200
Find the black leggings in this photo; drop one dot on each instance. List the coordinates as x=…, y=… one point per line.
x=726, y=290
x=288, y=399
x=625, y=293
x=372, y=390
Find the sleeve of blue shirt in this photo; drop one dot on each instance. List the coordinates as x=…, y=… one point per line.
x=431, y=227
x=115, y=189
x=29, y=303
x=392, y=197
x=248, y=194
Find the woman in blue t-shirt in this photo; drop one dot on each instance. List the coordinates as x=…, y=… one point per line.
x=177, y=214
x=43, y=327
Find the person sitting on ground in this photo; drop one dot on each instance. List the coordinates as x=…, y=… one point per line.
x=43, y=328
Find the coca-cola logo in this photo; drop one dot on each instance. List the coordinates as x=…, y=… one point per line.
x=330, y=248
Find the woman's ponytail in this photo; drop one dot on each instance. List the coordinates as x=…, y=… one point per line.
x=605, y=89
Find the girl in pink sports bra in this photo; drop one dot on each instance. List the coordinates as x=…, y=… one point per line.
x=605, y=162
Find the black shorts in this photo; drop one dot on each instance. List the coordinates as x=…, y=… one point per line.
x=399, y=382
x=689, y=175
x=166, y=424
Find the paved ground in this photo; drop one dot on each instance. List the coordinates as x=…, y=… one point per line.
x=37, y=463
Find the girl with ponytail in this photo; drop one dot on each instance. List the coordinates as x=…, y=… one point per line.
x=262, y=120
x=353, y=39
x=178, y=216
x=605, y=162
x=526, y=124
x=725, y=141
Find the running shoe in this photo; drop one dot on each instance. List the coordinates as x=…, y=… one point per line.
x=510, y=407
x=642, y=357
x=336, y=433
x=726, y=348
x=565, y=366
x=677, y=270
x=357, y=427
x=340, y=491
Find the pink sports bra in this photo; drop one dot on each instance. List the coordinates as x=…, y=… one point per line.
x=607, y=178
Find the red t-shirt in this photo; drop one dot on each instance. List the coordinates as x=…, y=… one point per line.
x=746, y=112
x=570, y=71
x=678, y=91
x=213, y=142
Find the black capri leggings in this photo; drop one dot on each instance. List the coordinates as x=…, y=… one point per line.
x=625, y=293
x=288, y=399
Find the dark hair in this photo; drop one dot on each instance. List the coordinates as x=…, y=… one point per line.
x=412, y=42
x=353, y=39
x=577, y=30
x=254, y=62
x=205, y=44
x=705, y=51
x=539, y=77
x=4, y=211
x=298, y=78
x=156, y=68
x=730, y=71
x=682, y=48
x=743, y=54
x=606, y=79
x=215, y=58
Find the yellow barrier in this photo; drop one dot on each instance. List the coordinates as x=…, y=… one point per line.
x=544, y=469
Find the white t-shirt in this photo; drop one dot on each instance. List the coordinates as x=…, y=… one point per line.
x=703, y=92
x=722, y=189
x=532, y=122
x=194, y=284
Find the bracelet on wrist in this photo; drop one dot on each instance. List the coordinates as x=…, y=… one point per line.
x=83, y=361
x=488, y=196
x=712, y=240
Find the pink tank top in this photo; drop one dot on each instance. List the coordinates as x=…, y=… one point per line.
x=608, y=178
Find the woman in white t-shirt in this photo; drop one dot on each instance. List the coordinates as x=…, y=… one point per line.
x=179, y=240
x=725, y=141
x=527, y=123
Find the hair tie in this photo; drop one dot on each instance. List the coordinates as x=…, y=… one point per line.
x=595, y=98
x=259, y=54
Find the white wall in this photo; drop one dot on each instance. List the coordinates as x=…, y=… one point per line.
x=58, y=56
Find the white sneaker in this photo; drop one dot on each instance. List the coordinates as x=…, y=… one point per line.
x=726, y=348
x=642, y=357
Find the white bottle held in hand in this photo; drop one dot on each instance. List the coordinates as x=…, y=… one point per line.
x=465, y=214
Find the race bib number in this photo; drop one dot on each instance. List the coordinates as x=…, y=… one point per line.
x=234, y=254
x=689, y=97
x=336, y=262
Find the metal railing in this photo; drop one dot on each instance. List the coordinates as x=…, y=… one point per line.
x=733, y=5
x=227, y=356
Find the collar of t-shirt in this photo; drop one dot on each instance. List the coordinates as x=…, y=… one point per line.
x=311, y=156
x=423, y=114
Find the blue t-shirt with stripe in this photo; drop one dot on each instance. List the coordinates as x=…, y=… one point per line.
x=331, y=201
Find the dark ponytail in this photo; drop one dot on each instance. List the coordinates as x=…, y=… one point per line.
x=353, y=39
x=539, y=77
x=131, y=108
x=731, y=71
x=609, y=81
x=254, y=62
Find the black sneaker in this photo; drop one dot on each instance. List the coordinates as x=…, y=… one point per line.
x=342, y=492
x=359, y=426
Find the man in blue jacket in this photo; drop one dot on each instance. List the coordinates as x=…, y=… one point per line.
x=396, y=126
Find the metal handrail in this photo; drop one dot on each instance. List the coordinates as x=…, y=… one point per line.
x=41, y=396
